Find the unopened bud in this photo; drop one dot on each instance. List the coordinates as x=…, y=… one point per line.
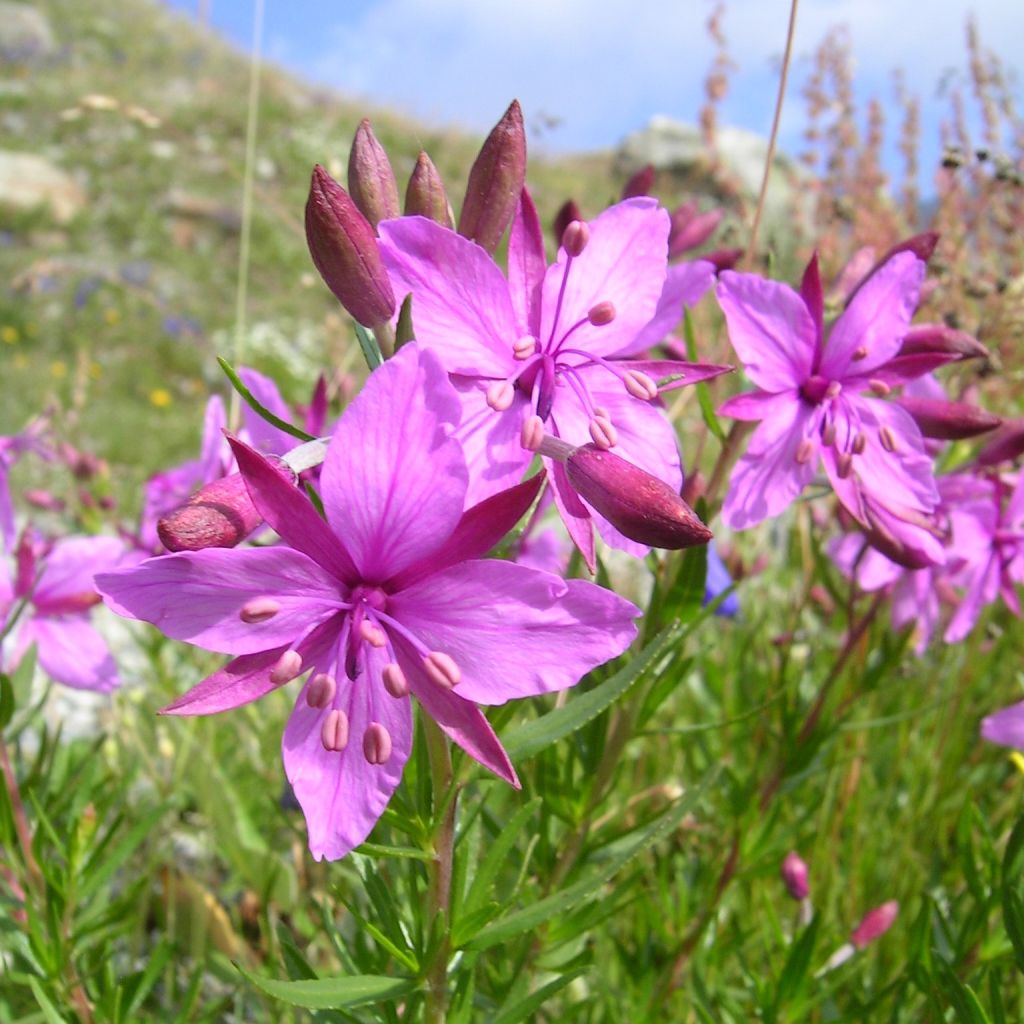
x=344, y=249
x=794, y=876
x=371, y=182
x=1006, y=444
x=922, y=246
x=938, y=339
x=425, y=195
x=637, y=504
x=640, y=183
x=690, y=229
x=496, y=180
x=874, y=924
x=568, y=212
x=948, y=421
x=723, y=259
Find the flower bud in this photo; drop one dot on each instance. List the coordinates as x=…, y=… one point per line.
x=425, y=195
x=496, y=180
x=690, y=229
x=639, y=505
x=640, y=183
x=371, y=182
x=344, y=249
x=568, y=212
x=905, y=536
x=938, y=339
x=922, y=246
x=874, y=924
x=794, y=876
x=219, y=515
x=948, y=421
x=723, y=259
x=1004, y=445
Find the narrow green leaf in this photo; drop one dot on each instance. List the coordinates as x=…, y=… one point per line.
x=49, y=1010
x=535, y=736
x=6, y=700
x=962, y=997
x=1013, y=858
x=261, y=410
x=480, y=890
x=561, y=902
x=707, y=410
x=103, y=863
x=523, y=1009
x=1013, y=920
x=333, y=993
x=371, y=350
x=400, y=852
x=403, y=329
x=795, y=969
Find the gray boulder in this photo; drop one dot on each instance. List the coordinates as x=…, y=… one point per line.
x=28, y=181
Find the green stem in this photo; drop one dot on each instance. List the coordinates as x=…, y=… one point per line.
x=439, y=889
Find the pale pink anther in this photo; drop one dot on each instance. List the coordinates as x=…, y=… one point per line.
x=500, y=395
x=860, y=442
x=334, y=731
x=321, y=690
x=887, y=437
x=442, y=669
x=804, y=451
x=828, y=434
x=844, y=465
x=640, y=385
x=287, y=667
x=372, y=634
x=259, y=609
x=860, y=353
x=394, y=681
x=376, y=743
x=532, y=435
x=524, y=347
x=603, y=433
x=601, y=314
x=575, y=237
x=833, y=390
x=879, y=387
x=601, y=411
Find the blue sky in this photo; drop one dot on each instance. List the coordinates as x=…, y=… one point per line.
x=598, y=69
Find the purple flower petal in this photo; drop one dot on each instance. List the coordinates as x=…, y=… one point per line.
x=685, y=284
x=758, y=405
x=67, y=578
x=768, y=477
x=575, y=515
x=342, y=795
x=514, y=631
x=461, y=301
x=624, y=263
x=263, y=437
x=239, y=682
x=770, y=328
x=70, y=651
x=876, y=320
x=1005, y=727
x=198, y=596
x=687, y=373
x=395, y=485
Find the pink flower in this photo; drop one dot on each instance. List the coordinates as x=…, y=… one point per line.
x=810, y=399
x=58, y=587
x=554, y=349
x=389, y=597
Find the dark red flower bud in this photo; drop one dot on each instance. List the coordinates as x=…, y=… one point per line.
x=639, y=505
x=425, y=195
x=690, y=228
x=344, y=249
x=567, y=213
x=723, y=259
x=371, y=182
x=938, y=339
x=1005, y=445
x=640, y=183
x=219, y=515
x=922, y=246
x=948, y=421
x=495, y=181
